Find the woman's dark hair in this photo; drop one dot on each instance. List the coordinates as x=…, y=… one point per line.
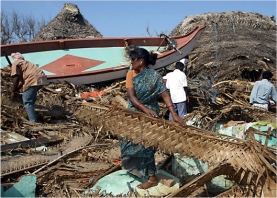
x=137, y=52
x=267, y=75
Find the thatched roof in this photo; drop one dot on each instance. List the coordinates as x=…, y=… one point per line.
x=68, y=24
x=233, y=45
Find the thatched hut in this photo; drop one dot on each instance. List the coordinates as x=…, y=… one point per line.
x=234, y=45
x=68, y=24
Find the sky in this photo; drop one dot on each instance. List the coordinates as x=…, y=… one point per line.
x=132, y=18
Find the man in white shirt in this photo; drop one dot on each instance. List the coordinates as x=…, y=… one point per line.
x=176, y=82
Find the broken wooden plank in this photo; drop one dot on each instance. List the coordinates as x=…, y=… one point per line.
x=198, y=182
x=31, y=143
x=12, y=137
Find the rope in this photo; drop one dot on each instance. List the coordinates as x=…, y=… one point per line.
x=216, y=51
x=126, y=44
x=234, y=29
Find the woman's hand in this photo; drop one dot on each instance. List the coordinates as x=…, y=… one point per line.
x=178, y=119
x=12, y=95
x=150, y=112
x=169, y=104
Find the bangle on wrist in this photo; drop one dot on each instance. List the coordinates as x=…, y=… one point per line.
x=170, y=106
x=138, y=105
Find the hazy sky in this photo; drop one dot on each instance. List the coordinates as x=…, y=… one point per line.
x=131, y=18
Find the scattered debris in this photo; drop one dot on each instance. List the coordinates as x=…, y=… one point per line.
x=81, y=132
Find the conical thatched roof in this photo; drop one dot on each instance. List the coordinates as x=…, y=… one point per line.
x=233, y=45
x=68, y=24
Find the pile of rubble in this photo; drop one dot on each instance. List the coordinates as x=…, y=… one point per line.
x=75, y=142
x=79, y=135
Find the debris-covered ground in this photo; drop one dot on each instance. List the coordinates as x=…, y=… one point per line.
x=78, y=148
x=75, y=142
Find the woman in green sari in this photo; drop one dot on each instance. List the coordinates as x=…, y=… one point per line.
x=143, y=86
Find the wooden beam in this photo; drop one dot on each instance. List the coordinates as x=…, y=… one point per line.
x=198, y=182
x=31, y=143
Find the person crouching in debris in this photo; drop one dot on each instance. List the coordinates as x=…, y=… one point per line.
x=143, y=86
x=31, y=78
x=262, y=91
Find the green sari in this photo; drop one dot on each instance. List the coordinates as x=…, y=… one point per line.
x=137, y=159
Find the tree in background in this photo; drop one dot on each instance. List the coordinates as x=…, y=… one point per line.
x=16, y=28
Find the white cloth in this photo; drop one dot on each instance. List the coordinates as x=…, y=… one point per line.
x=176, y=81
x=184, y=61
x=261, y=106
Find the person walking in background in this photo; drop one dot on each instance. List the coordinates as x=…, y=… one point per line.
x=143, y=86
x=31, y=78
x=262, y=91
x=176, y=82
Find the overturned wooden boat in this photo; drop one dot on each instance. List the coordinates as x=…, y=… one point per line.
x=93, y=60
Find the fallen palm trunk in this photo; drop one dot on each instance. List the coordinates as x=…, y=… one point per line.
x=250, y=165
x=57, y=159
x=21, y=163
x=24, y=163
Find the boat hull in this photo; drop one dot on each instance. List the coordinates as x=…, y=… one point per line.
x=88, y=61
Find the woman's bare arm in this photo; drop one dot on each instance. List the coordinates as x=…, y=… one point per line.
x=167, y=99
x=138, y=104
